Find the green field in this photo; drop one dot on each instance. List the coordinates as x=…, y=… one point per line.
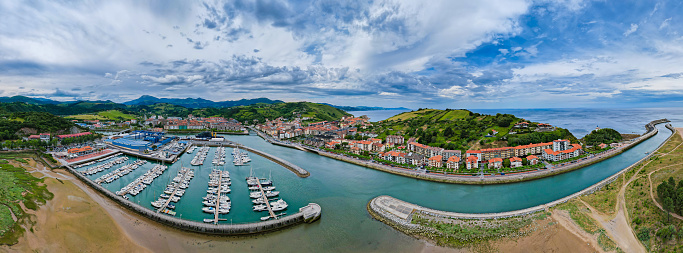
x=104, y=115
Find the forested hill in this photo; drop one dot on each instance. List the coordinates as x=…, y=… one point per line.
x=604, y=135
x=32, y=123
x=260, y=112
x=463, y=129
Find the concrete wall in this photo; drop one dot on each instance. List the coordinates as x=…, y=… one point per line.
x=193, y=226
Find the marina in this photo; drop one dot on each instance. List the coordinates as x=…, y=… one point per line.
x=118, y=173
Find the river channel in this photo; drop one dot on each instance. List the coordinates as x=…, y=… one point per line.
x=343, y=190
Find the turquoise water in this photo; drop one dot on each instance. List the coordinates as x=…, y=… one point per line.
x=343, y=191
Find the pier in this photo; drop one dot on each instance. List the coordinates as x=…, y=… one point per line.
x=218, y=200
x=263, y=195
x=290, y=166
x=175, y=190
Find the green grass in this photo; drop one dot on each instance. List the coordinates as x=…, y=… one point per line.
x=605, y=200
x=17, y=185
x=605, y=242
x=471, y=233
x=410, y=115
x=104, y=115
x=455, y=114
x=580, y=216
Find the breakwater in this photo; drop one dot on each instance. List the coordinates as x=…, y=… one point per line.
x=399, y=213
x=309, y=213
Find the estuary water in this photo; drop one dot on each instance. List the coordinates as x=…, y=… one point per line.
x=343, y=190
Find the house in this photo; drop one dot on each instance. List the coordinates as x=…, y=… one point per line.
x=34, y=137
x=453, y=162
x=45, y=137
x=602, y=145
x=435, y=161
x=375, y=140
x=515, y=162
x=533, y=160
x=472, y=162
x=522, y=125
x=395, y=140
x=377, y=147
x=496, y=163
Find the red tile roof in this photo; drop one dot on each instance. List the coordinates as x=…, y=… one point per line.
x=515, y=159
x=454, y=159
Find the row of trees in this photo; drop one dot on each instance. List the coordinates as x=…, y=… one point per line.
x=539, y=137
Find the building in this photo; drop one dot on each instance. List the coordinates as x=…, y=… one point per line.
x=532, y=159
x=602, y=145
x=377, y=147
x=45, y=136
x=63, y=136
x=496, y=163
x=453, y=162
x=80, y=151
x=475, y=153
x=503, y=153
x=522, y=125
x=415, y=159
x=532, y=149
x=424, y=149
x=472, y=162
x=562, y=150
x=435, y=161
x=395, y=140
x=447, y=154
x=515, y=162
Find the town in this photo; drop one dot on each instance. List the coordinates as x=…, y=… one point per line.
x=347, y=137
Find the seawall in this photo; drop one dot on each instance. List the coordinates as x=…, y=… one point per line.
x=396, y=211
x=308, y=213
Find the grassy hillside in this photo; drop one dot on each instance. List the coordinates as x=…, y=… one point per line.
x=261, y=112
x=115, y=115
x=462, y=129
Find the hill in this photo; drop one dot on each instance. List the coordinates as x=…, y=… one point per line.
x=462, y=129
x=197, y=102
x=260, y=112
x=28, y=100
x=604, y=135
x=33, y=122
x=364, y=108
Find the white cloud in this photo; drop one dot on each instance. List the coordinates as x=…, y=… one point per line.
x=634, y=28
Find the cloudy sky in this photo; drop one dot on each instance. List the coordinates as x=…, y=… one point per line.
x=450, y=53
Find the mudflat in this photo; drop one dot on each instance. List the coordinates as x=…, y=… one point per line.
x=72, y=222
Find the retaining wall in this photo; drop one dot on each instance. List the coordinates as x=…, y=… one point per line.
x=588, y=190
x=193, y=226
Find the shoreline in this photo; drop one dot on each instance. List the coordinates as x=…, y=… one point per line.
x=471, y=180
x=393, y=212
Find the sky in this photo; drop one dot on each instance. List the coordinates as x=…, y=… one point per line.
x=438, y=54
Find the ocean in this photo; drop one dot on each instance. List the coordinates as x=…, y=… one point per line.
x=577, y=120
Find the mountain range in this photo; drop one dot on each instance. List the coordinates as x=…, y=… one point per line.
x=192, y=103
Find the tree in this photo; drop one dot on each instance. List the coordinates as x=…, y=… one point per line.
x=506, y=163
